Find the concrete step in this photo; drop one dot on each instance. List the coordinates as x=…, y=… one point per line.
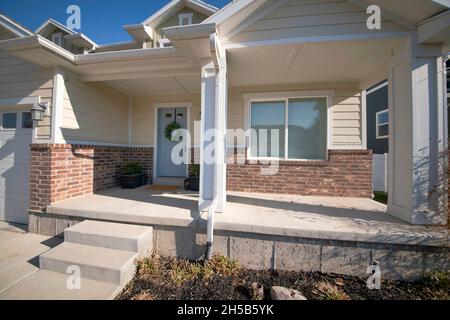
x=102, y=264
x=126, y=237
x=49, y=285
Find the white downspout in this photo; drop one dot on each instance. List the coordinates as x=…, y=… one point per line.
x=220, y=143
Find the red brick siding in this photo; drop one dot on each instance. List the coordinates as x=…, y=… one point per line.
x=346, y=173
x=62, y=171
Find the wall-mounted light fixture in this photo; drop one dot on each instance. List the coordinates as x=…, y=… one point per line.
x=37, y=111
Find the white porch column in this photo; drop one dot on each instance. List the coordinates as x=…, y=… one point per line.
x=213, y=135
x=417, y=134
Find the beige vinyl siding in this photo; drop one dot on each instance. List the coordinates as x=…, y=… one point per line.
x=346, y=110
x=309, y=18
x=20, y=79
x=94, y=112
x=143, y=116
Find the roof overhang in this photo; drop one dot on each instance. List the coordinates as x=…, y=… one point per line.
x=139, y=32
x=194, y=41
x=14, y=27
x=113, y=65
x=435, y=29
x=41, y=30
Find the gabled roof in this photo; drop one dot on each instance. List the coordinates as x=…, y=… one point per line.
x=50, y=22
x=14, y=26
x=173, y=6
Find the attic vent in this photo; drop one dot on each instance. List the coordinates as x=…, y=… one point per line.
x=185, y=18
x=57, y=38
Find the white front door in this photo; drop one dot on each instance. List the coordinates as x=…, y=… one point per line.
x=15, y=139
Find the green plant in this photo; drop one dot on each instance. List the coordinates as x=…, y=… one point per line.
x=195, y=170
x=132, y=168
x=327, y=291
x=437, y=279
x=170, y=128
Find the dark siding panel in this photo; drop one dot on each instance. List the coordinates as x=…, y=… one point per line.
x=376, y=101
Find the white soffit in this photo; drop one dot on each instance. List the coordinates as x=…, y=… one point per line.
x=308, y=63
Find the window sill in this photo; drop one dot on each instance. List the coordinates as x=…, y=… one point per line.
x=284, y=162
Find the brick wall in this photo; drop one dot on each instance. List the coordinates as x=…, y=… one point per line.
x=62, y=171
x=346, y=173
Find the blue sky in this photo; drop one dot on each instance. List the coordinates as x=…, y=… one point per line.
x=101, y=20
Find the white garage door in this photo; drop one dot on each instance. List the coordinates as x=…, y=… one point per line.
x=15, y=139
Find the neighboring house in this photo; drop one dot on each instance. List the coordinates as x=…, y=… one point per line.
x=377, y=126
x=298, y=66
x=378, y=118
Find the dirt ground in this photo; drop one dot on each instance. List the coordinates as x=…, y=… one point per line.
x=159, y=278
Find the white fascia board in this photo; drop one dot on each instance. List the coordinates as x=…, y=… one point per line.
x=56, y=24
x=14, y=27
x=192, y=31
x=125, y=54
x=36, y=41
x=139, y=32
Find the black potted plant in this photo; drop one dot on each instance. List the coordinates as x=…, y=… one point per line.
x=192, y=182
x=132, y=176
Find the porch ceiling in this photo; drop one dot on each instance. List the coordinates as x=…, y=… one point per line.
x=340, y=61
x=161, y=85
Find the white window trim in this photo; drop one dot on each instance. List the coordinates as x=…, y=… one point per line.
x=57, y=35
x=285, y=96
x=377, y=125
x=182, y=16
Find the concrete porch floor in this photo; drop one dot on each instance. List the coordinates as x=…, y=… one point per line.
x=328, y=218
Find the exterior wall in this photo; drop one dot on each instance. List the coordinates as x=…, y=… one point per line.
x=143, y=116
x=20, y=79
x=93, y=112
x=376, y=101
x=310, y=18
x=63, y=171
x=346, y=173
x=346, y=110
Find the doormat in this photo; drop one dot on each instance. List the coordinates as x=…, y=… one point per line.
x=160, y=187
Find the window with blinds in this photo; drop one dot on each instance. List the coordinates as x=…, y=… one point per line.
x=293, y=129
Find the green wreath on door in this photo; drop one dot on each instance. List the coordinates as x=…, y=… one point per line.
x=170, y=128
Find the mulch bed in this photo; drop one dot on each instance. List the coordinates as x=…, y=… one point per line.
x=167, y=279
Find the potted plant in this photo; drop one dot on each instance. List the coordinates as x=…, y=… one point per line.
x=192, y=182
x=132, y=176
